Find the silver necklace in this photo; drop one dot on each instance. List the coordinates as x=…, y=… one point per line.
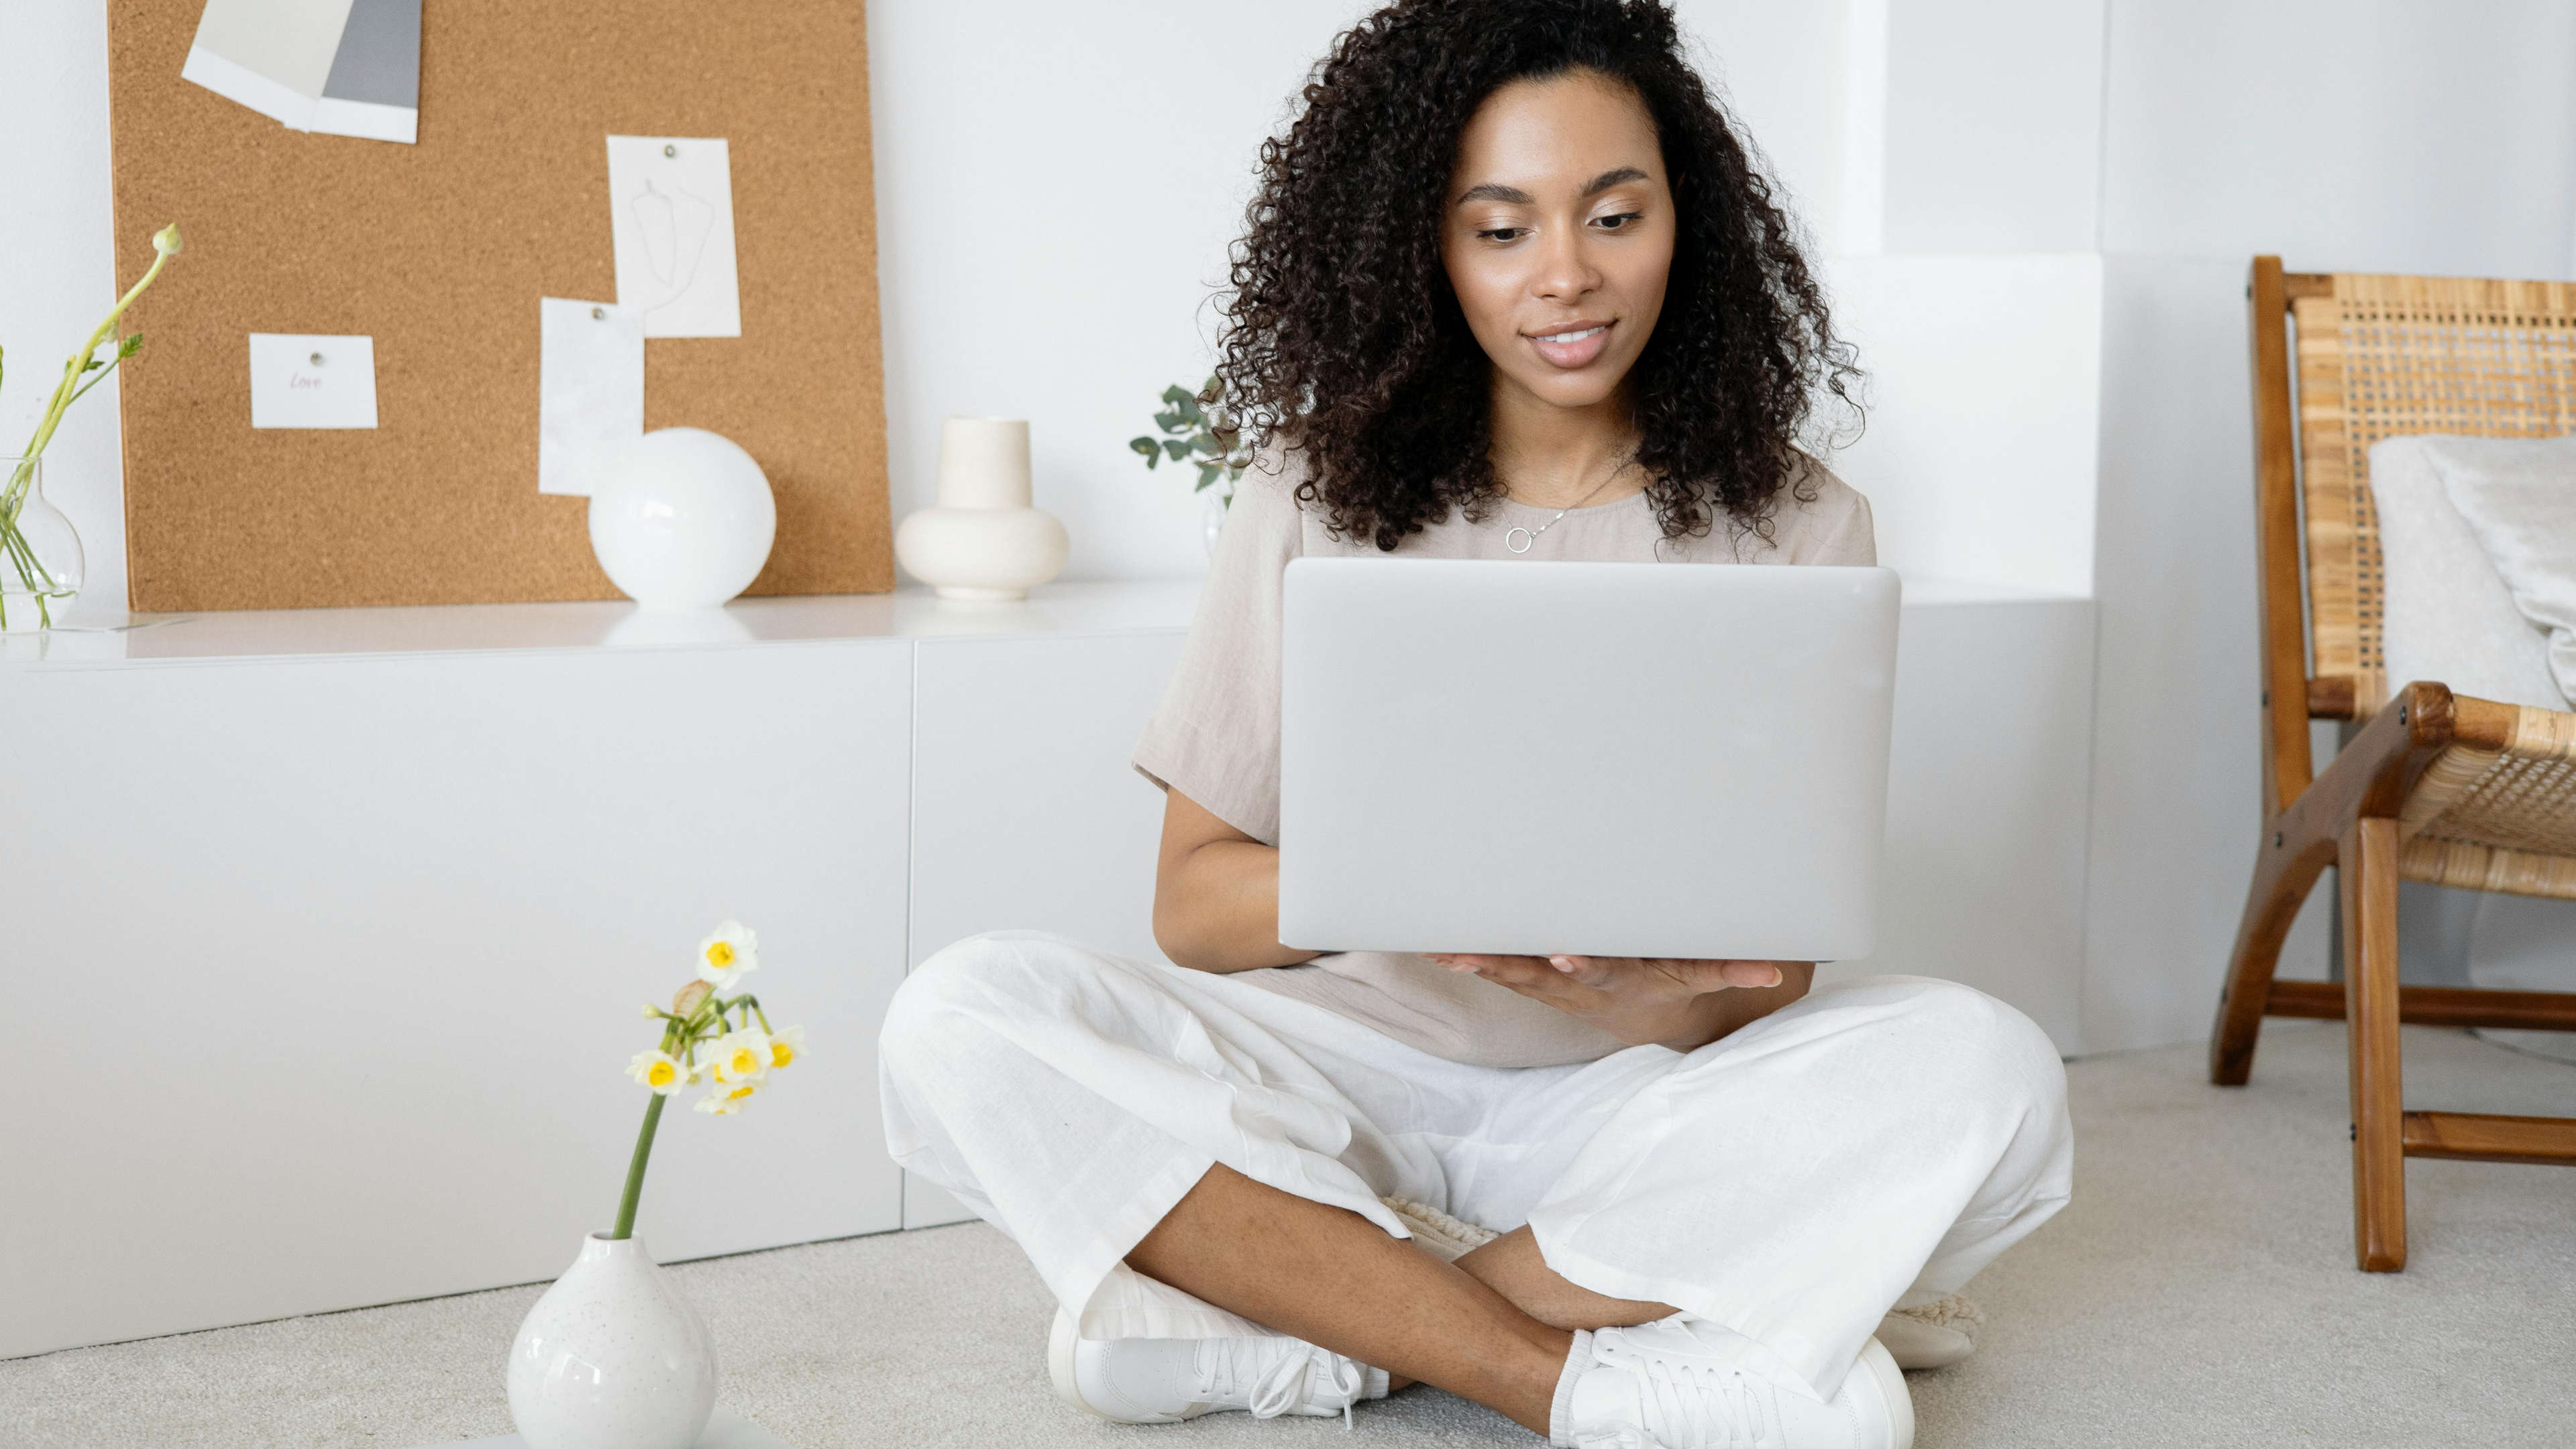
x=1528, y=535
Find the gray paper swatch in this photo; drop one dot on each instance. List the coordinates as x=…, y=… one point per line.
x=346, y=67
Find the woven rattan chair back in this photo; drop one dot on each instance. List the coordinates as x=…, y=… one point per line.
x=2385, y=357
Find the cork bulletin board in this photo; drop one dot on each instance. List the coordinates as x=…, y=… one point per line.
x=440, y=252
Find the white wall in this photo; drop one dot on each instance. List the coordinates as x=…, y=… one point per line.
x=1994, y=125
x=1054, y=199
x=1964, y=236
x=1984, y=375
x=56, y=273
x=2346, y=135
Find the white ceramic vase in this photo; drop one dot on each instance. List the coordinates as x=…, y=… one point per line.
x=682, y=519
x=983, y=541
x=612, y=1357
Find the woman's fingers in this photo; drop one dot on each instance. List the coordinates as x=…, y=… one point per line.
x=1594, y=971
x=1553, y=975
x=1750, y=973
x=1706, y=976
x=1528, y=975
x=1496, y=968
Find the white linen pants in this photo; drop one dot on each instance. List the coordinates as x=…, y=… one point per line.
x=1871, y=1146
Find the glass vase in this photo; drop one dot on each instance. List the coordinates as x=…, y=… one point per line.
x=41, y=564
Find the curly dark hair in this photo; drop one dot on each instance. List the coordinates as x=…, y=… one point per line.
x=1344, y=344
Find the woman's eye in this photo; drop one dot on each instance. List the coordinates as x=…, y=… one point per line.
x=1621, y=221
x=1501, y=233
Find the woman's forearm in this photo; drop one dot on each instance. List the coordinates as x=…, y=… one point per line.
x=1216, y=908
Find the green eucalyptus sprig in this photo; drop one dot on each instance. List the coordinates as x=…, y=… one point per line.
x=77, y=380
x=1196, y=429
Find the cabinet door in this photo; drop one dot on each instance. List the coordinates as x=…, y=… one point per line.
x=359, y=947
x=1026, y=814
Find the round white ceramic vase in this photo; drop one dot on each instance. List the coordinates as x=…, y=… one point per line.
x=983, y=541
x=681, y=519
x=612, y=1357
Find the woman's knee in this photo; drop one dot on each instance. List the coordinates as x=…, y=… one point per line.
x=960, y=985
x=1974, y=1044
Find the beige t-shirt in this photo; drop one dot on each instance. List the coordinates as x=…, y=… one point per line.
x=1215, y=738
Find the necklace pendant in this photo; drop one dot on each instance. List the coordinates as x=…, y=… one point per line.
x=1519, y=540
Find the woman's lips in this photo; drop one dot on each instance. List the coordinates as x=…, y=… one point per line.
x=1582, y=344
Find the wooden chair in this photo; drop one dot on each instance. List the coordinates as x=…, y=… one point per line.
x=2434, y=787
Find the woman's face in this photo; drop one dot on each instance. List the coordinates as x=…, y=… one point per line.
x=1559, y=234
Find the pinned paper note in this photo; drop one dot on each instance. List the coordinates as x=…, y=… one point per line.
x=671, y=218
x=346, y=67
x=302, y=381
x=590, y=388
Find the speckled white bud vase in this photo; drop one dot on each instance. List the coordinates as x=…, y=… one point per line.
x=983, y=541
x=612, y=1357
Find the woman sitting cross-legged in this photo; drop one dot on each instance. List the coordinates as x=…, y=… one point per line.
x=1512, y=287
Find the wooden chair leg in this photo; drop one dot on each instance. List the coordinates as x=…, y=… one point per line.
x=2283, y=875
x=2368, y=885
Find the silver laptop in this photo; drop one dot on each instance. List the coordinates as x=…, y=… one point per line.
x=1599, y=758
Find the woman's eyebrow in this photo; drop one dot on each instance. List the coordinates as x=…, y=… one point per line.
x=1514, y=196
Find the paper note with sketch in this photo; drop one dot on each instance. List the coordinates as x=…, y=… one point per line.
x=590, y=388
x=671, y=216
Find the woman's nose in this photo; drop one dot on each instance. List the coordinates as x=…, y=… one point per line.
x=1564, y=272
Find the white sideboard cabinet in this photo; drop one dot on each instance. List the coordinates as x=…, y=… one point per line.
x=325, y=933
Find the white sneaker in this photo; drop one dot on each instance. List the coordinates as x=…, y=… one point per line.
x=1166, y=1380
x=1671, y=1384
x=1933, y=1336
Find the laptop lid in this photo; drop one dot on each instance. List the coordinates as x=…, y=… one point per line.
x=1616, y=759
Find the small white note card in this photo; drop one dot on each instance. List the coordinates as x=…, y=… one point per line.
x=302, y=381
x=590, y=388
x=671, y=199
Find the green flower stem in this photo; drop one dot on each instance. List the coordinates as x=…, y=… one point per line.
x=635, y=1169
x=15, y=548
x=165, y=245
x=103, y=374
x=65, y=390
x=671, y=1036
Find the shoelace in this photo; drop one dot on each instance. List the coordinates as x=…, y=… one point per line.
x=1718, y=1407
x=1280, y=1384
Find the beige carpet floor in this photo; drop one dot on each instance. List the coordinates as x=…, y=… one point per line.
x=2199, y=1292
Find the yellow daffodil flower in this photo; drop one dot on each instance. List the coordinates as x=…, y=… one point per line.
x=660, y=1071
x=724, y=956
x=787, y=1046
x=708, y=1036
x=739, y=1056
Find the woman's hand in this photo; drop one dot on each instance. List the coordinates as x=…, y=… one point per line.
x=1638, y=999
